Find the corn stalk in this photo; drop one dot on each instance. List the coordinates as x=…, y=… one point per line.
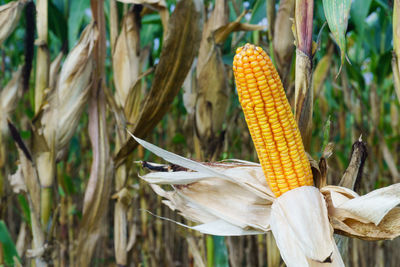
x=95, y=205
x=42, y=57
x=303, y=88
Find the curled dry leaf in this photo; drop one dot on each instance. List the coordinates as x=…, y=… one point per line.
x=234, y=199
x=180, y=46
x=9, y=17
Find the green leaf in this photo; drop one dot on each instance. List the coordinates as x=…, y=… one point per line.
x=75, y=19
x=9, y=249
x=337, y=14
x=25, y=208
x=57, y=23
x=359, y=11
x=258, y=12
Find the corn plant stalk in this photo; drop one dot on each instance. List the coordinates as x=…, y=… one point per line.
x=42, y=58
x=283, y=42
x=126, y=64
x=98, y=188
x=303, y=88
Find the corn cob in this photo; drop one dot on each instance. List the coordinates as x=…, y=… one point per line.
x=270, y=120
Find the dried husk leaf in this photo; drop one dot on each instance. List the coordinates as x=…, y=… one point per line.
x=180, y=46
x=8, y=98
x=304, y=96
x=126, y=57
x=55, y=70
x=67, y=102
x=9, y=17
x=299, y=222
x=212, y=102
x=373, y=216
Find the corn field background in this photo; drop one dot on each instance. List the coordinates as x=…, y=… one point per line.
x=74, y=75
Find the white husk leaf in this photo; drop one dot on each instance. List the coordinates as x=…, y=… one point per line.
x=371, y=217
x=300, y=224
x=239, y=178
x=9, y=17
x=374, y=205
x=66, y=103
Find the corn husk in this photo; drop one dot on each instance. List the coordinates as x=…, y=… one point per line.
x=300, y=224
x=55, y=71
x=126, y=58
x=234, y=199
x=9, y=17
x=66, y=103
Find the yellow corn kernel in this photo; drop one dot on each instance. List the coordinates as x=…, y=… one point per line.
x=270, y=120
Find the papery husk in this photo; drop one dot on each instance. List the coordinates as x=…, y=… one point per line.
x=8, y=98
x=231, y=194
x=126, y=57
x=9, y=18
x=299, y=222
x=67, y=102
x=55, y=71
x=373, y=216
x=211, y=90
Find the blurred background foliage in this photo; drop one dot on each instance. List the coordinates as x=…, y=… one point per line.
x=359, y=101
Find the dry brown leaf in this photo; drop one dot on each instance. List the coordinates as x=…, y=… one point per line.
x=180, y=46
x=303, y=97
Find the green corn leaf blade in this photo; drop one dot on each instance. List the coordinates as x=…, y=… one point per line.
x=77, y=14
x=337, y=15
x=9, y=250
x=359, y=11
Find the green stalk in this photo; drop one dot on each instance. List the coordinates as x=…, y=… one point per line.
x=41, y=83
x=210, y=250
